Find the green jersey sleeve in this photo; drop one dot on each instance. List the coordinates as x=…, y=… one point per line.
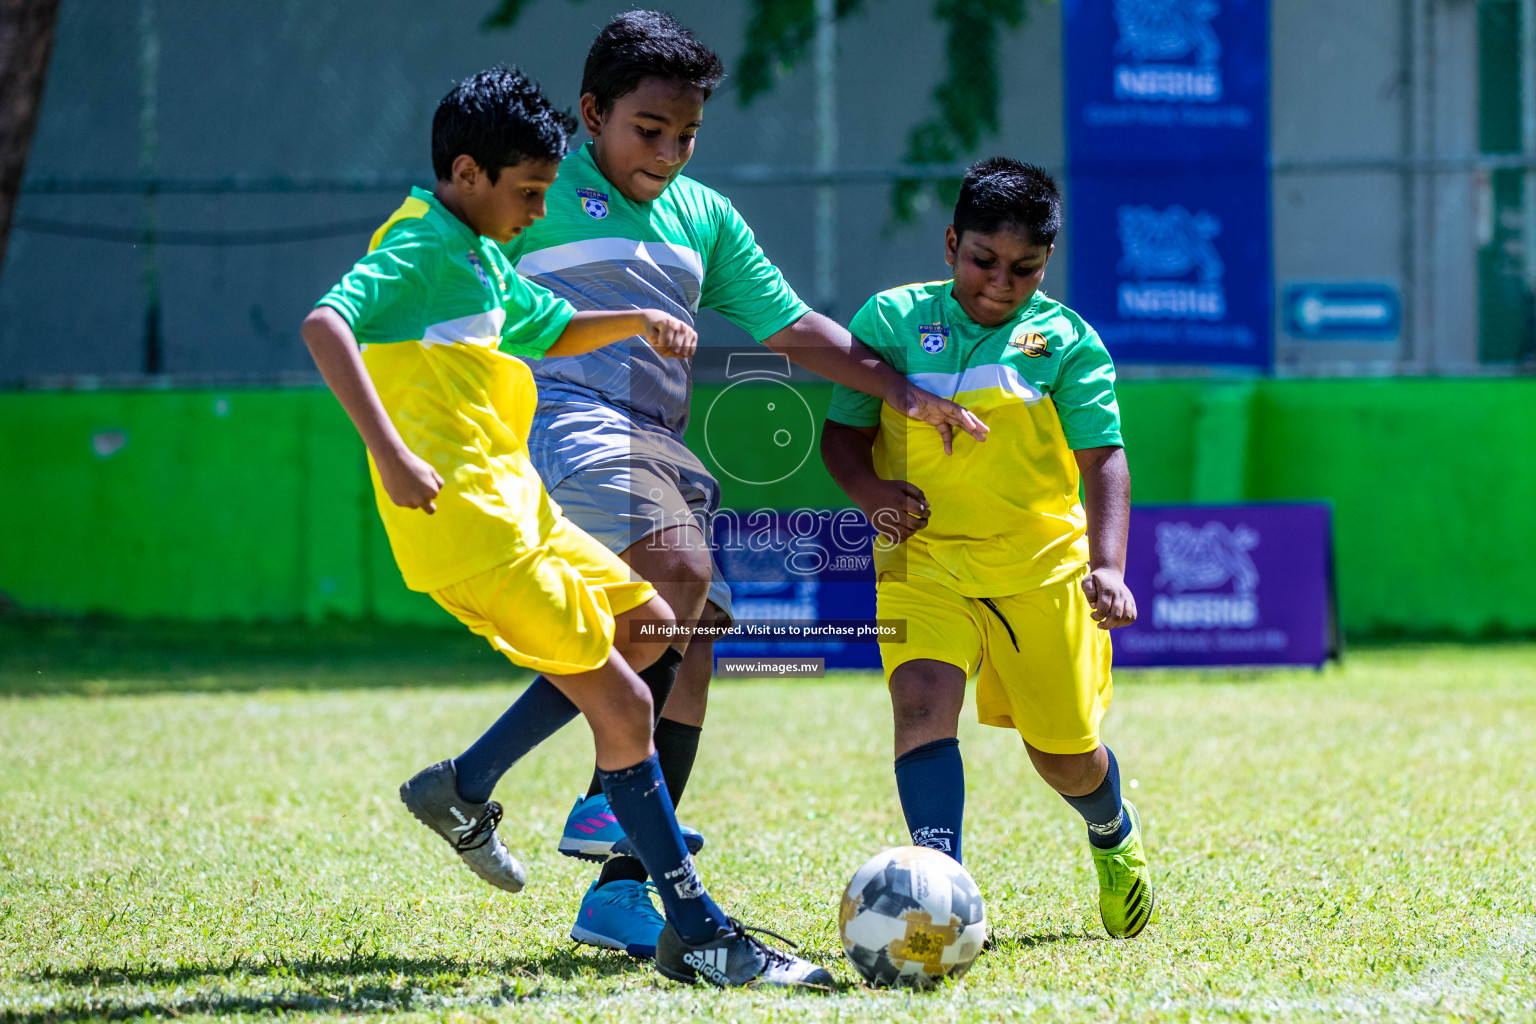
x=383, y=297
x=741, y=283
x=855, y=408
x=1085, y=395
x=536, y=317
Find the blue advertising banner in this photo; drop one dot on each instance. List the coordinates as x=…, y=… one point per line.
x=803, y=577
x=1167, y=149
x=1174, y=267
x=1214, y=585
x=1232, y=585
x=1166, y=81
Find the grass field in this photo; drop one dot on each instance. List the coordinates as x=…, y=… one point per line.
x=201, y=824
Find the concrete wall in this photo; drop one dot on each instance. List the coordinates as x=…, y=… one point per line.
x=346, y=88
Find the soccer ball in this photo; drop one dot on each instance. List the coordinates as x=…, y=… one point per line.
x=912, y=916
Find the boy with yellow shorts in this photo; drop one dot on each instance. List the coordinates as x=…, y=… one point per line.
x=420, y=341
x=1000, y=572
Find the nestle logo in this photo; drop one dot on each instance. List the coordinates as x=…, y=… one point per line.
x=1170, y=84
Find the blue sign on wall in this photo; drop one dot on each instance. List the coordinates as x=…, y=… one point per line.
x=1342, y=311
x=1167, y=145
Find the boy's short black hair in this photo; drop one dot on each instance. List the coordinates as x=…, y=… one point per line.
x=500, y=118
x=638, y=45
x=1000, y=192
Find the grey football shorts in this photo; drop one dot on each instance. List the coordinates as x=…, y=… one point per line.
x=623, y=500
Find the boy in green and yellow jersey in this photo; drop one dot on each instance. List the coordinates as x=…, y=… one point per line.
x=1000, y=572
x=420, y=342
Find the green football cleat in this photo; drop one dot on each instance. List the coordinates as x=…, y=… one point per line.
x=1125, y=883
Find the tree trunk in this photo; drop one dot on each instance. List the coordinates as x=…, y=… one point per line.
x=26, y=40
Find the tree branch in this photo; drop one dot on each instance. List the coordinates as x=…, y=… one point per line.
x=26, y=41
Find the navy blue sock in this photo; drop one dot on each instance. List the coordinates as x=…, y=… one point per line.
x=931, y=782
x=1108, y=824
x=537, y=715
x=639, y=798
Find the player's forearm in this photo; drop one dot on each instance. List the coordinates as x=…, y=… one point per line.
x=593, y=328
x=334, y=350
x=824, y=347
x=1107, y=500
x=848, y=455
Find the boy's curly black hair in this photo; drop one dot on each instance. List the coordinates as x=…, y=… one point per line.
x=501, y=118
x=1001, y=192
x=646, y=44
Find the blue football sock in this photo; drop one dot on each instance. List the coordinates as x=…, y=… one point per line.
x=1108, y=824
x=931, y=782
x=639, y=798
x=537, y=715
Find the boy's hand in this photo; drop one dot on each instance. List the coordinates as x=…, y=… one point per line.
x=669, y=335
x=895, y=508
x=938, y=412
x=1113, y=604
x=410, y=481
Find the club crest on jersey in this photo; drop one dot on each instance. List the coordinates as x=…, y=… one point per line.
x=595, y=203
x=1033, y=344
x=474, y=261
x=933, y=338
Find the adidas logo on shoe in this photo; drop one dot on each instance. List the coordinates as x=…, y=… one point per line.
x=709, y=962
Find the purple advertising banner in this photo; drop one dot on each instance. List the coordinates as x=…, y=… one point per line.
x=1229, y=585
x=1214, y=585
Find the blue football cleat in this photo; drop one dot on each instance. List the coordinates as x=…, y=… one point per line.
x=620, y=916
x=593, y=833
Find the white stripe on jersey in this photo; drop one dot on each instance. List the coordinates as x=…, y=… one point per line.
x=483, y=329
x=978, y=378
x=603, y=250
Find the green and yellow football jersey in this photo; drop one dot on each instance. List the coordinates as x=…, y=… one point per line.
x=441, y=316
x=686, y=250
x=1005, y=516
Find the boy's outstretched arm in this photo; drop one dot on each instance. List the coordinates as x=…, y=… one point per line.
x=896, y=508
x=824, y=347
x=592, y=329
x=408, y=479
x=1107, y=496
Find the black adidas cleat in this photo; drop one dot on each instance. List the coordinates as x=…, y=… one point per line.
x=736, y=959
x=432, y=796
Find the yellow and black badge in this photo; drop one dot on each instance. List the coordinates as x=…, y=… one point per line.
x=1033, y=344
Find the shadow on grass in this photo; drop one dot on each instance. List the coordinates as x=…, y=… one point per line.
x=354, y=984
x=1024, y=940
x=100, y=656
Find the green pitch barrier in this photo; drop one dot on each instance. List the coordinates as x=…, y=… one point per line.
x=252, y=504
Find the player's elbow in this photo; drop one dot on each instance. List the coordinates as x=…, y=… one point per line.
x=313, y=329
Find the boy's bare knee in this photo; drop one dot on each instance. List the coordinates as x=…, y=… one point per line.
x=1069, y=774
x=677, y=562
x=914, y=714
x=926, y=697
x=638, y=637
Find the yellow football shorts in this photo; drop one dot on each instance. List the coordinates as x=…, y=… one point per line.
x=1049, y=680
x=553, y=609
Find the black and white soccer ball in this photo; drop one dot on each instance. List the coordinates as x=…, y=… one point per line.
x=912, y=916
